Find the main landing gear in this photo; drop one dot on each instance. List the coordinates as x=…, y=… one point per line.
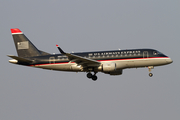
x=150, y=74
x=93, y=77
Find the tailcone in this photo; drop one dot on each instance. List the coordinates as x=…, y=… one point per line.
x=13, y=61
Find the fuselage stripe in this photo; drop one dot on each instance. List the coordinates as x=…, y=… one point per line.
x=104, y=60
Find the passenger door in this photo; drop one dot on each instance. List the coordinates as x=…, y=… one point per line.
x=51, y=60
x=145, y=54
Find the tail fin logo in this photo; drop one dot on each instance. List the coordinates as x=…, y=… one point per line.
x=23, y=45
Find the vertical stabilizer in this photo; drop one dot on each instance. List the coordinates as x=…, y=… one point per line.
x=23, y=45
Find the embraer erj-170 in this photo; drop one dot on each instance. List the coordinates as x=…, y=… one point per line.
x=109, y=62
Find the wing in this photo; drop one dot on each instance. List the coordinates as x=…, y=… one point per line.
x=85, y=62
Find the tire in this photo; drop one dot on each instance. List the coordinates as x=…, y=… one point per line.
x=89, y=75
x=150, y=74
x=94, y=77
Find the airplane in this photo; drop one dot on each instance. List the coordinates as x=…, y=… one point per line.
x=111, y=62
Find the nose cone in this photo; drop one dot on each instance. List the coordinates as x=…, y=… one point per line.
x=169, y=60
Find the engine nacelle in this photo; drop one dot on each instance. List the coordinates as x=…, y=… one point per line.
x=117, y=72
x=109, y=67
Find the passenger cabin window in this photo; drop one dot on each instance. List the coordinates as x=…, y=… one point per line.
x=59, y=57
x=62, y=58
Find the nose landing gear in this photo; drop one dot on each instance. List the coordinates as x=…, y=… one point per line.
x=93, y=77
x=150, y=74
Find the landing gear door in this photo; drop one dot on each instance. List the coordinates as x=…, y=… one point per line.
x=145, y=54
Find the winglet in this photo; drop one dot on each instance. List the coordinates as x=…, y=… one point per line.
x=62, y=52
x=16, y=31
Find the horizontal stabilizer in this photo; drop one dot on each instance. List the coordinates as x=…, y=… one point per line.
x=20, y=59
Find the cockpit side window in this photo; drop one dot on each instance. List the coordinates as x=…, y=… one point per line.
x=155, y=53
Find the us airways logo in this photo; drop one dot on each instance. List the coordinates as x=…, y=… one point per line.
x=23, y=45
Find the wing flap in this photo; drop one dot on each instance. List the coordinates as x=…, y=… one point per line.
x=82, y=60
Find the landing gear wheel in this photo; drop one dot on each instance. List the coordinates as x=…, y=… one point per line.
x=89, y=75
x=150, y=74
x=94, y=77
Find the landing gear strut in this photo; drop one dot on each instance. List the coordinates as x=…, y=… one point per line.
x=150, y=74
x=93, y=77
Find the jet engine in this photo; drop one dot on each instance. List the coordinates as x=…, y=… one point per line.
x=108, y=67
